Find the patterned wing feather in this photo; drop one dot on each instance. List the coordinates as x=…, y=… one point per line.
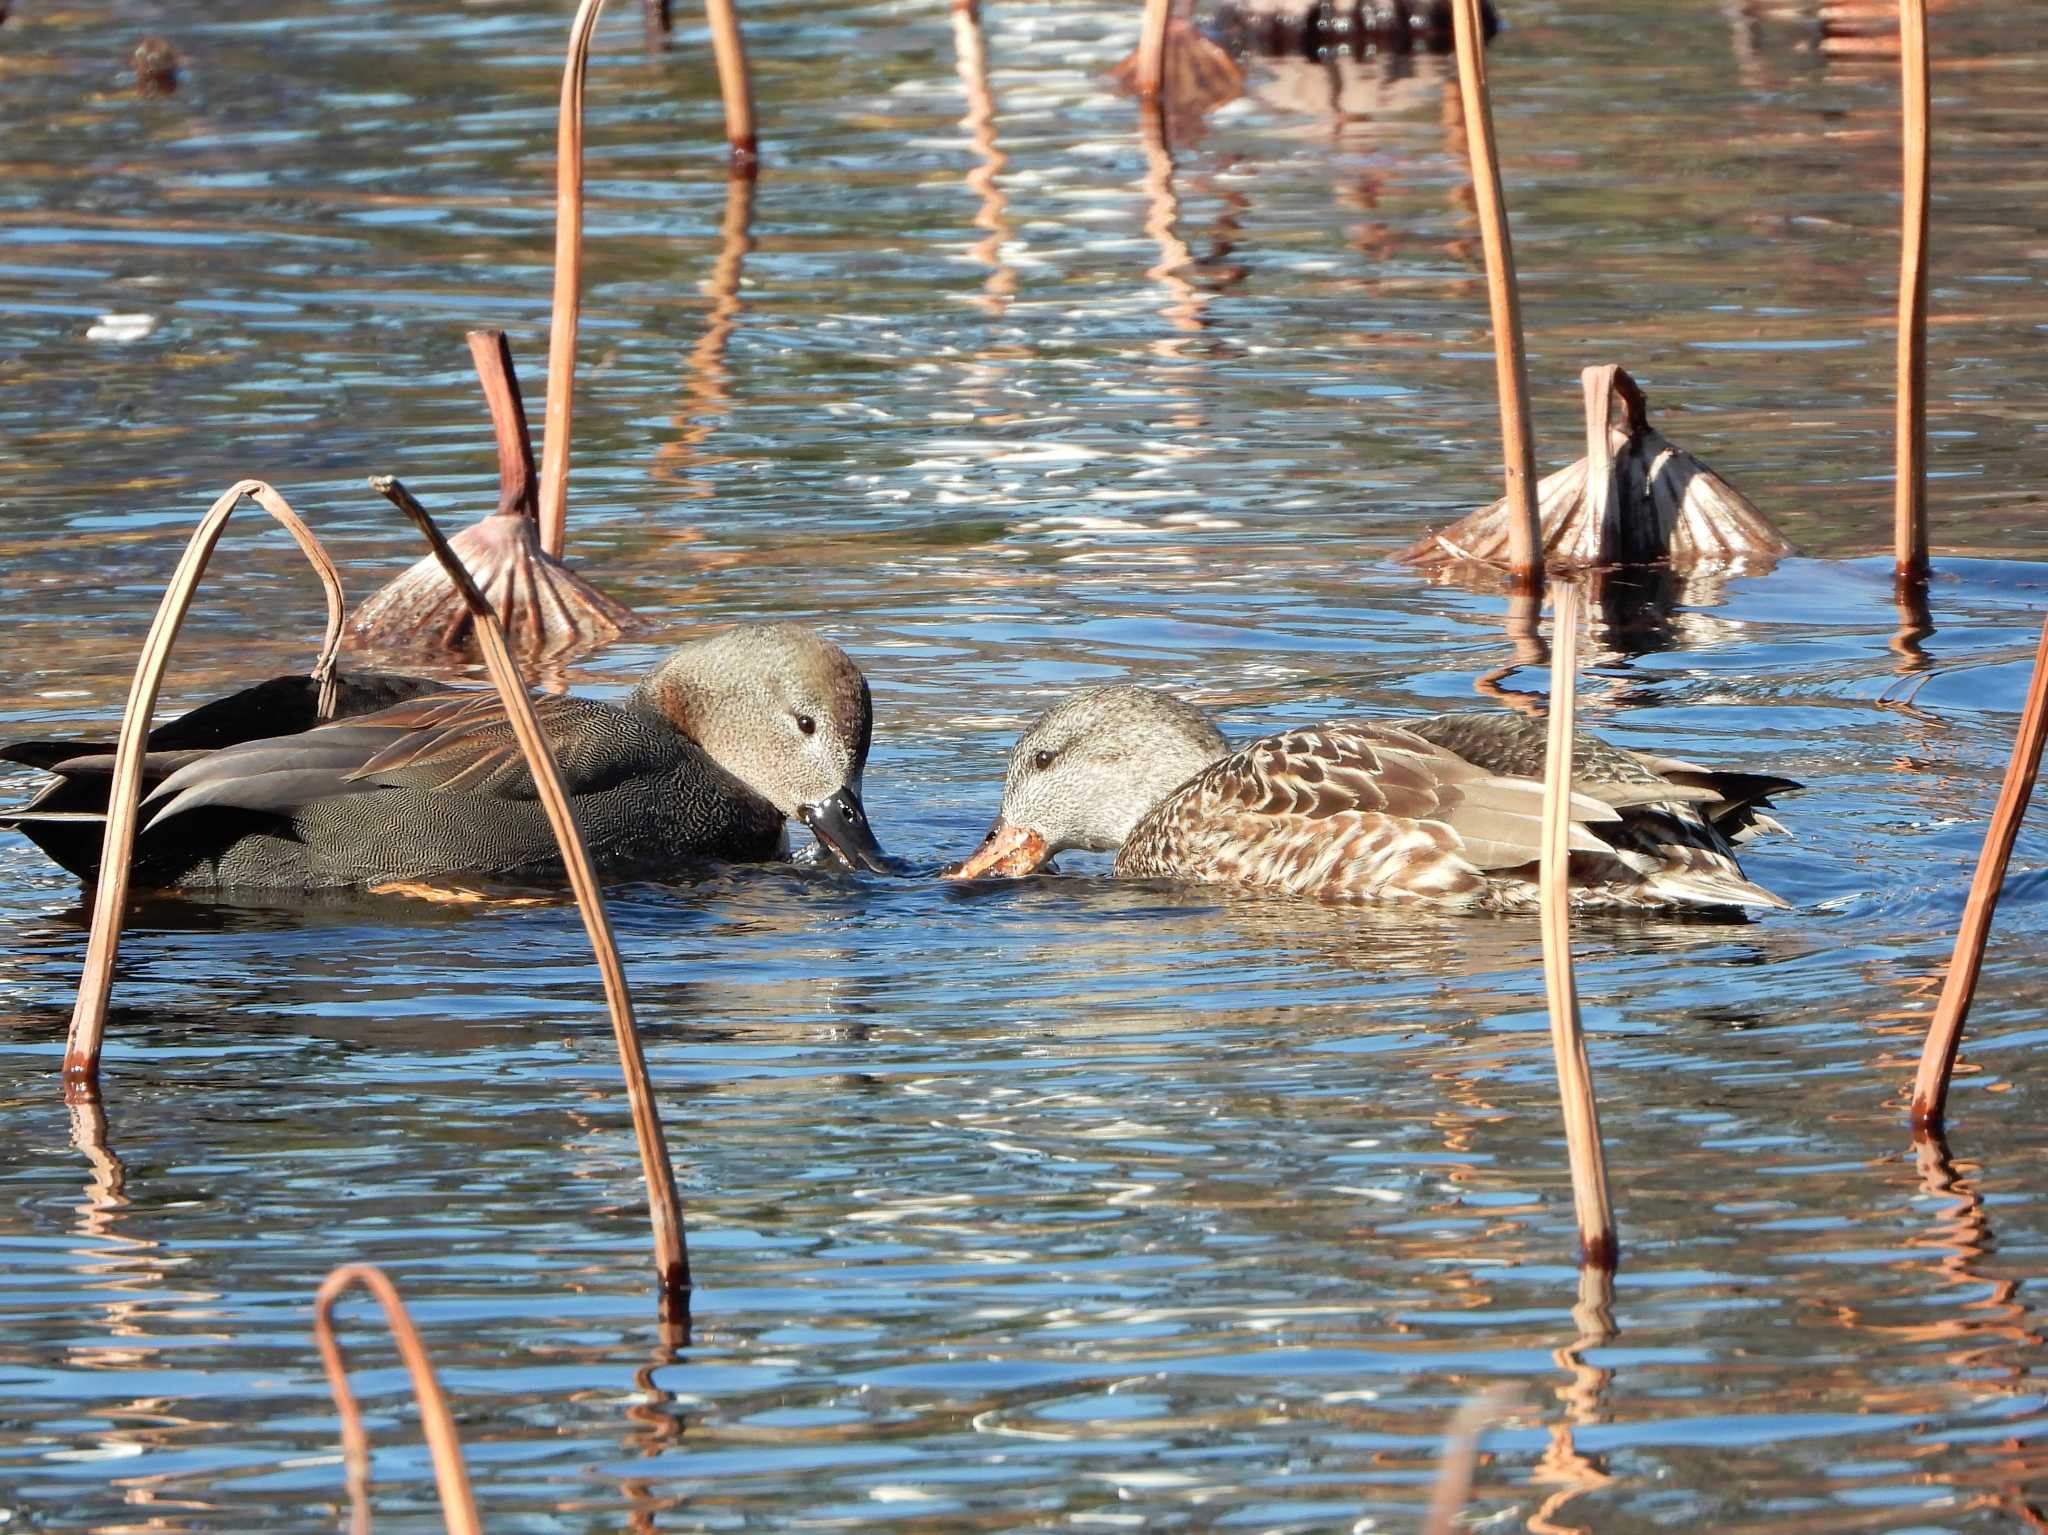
x=1349, y=812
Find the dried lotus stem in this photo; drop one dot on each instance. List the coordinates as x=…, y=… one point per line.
x=1945, y=1031
x=518, y=481
x=1148, y=76
x=1525, y=536
x=568, y=296
x=451, y=1476
x=735, y=89
x=664, y=1207
x=110, y=895
x=1597, y=1245
x=1909, y=508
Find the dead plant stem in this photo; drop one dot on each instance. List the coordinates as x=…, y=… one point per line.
x=1945, y=1031
x=451, y=1476
x=1525, y=536
x=110, y=895
x=1597, y=1247
x=1909, y=509
x=664, y=1208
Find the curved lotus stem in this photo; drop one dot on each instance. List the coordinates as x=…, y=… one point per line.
x=561, y=397
x=110, y=896
x=1945, y=1030
x=458, y=1503
x=1525, y=535
x=671, y=1255
x=1909, y=502
x=736, y=87
x=1597, y=1247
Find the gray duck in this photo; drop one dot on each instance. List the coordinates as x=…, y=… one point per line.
x=1445, y=810
x=716, y=750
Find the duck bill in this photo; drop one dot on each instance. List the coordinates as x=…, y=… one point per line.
x=1007, y=850
x=841, y=826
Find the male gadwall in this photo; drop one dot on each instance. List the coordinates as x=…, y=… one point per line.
x=716, y=749
x=1446, y=810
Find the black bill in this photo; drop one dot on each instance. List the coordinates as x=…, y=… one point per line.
x=841, y=826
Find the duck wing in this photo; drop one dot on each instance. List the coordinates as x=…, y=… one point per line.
x=1676, y=825
x=1348, y=811
x=277, y=706
x=441, y=743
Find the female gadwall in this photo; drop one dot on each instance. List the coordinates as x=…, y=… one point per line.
x=1446, y=810
x=718, y=746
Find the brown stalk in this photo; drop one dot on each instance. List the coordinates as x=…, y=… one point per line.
x=1148, y=74
x=1945, y=1032
x=110, y=896
x=671, y=1255
x=735, y=85
x=518, y=482
x=735, y=88
x=1511, y=370
x=458, y=1503
x=1909, y=509
x=561, y=396
x=1597, y=1245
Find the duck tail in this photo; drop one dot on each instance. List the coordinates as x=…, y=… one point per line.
x=70, y=838
x=1708, y=886
x=47, y=754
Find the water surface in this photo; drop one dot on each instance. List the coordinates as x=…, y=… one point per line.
x=1068, y=1204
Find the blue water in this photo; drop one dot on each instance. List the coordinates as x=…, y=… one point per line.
x=1067, y=1204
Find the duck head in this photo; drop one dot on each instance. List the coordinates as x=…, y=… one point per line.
x=1087, y=771
x=786, y=712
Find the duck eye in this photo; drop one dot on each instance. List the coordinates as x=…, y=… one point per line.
x=1043, y=760
x=806, y=724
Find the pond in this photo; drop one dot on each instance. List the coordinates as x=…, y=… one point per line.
x=1066, y=1203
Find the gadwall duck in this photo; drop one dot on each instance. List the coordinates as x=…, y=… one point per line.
x=716, y=750
x=1446, y=810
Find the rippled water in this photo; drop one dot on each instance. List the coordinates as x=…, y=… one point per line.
x=1068, y=1204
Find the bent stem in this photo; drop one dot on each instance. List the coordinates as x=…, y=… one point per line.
x=1909, y=504
x=736, y=87
x=518, y=483
x=117, y=854
x=1511, y=370
x=664, y=1207
x=1945, y=1032
x=1597, y=1246
x=451, y=1477
x=561, y=396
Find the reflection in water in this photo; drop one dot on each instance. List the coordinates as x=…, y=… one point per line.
x=971, y=55
x=1186, y=300
x=1563, y=1465
x=681, y=461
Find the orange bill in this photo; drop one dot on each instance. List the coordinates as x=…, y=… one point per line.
x=1007, y=850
